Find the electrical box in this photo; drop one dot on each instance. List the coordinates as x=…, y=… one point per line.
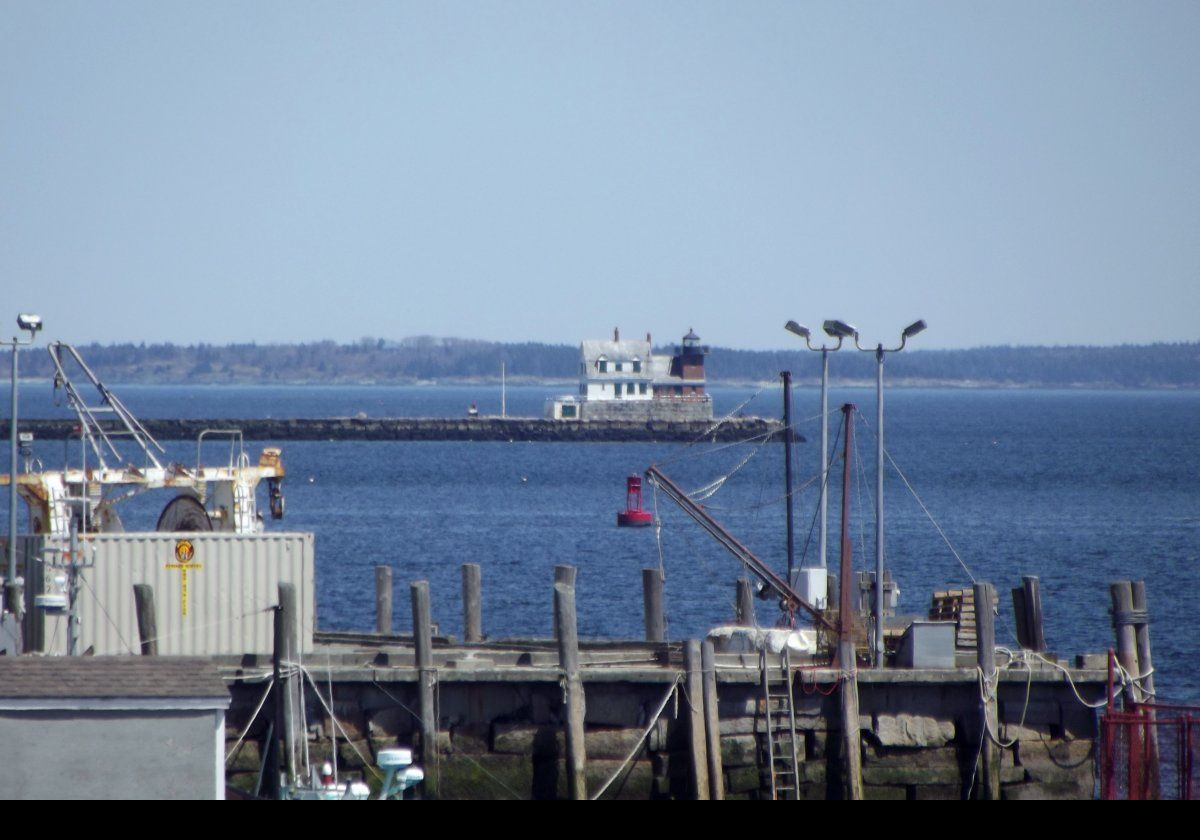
x=927, y=644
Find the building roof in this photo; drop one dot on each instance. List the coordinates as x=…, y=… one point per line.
x=109, y=677
x=615, y=351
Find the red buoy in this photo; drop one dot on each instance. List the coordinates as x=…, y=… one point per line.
x=633, y=516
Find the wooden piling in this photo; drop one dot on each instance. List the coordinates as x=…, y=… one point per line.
x=652, y=604
x=562, y=574
x=1027, y=610
x=143, y=597
x=268, y=780
x=716, y=774
x=472, y=594
x=1033, y=611
x=745, y=603
x=697, y=740
x=1141, y=631
x=851, y=736
x=568, y=657
x=985, y=651
x=1127, y=651
x=293, y=685
x=426, y=676
x=383, y=600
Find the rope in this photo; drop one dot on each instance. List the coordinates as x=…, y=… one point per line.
x=237, y=745
x=774, y=501
x=107, y=617
x=817, y=511
x=367, y=763
x=417, y=717
x=933, y=521
x=637, y=748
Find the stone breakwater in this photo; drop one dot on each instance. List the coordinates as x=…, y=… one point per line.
x=445, y=429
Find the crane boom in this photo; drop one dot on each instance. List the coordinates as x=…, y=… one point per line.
x=731, y=544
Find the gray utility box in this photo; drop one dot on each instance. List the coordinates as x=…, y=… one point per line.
x=927, y=644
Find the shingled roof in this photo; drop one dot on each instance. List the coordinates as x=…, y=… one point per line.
x=105, y=677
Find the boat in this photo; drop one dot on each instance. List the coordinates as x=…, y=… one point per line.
x=634, y=516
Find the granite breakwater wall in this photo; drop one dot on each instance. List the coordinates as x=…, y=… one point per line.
x=521, y=429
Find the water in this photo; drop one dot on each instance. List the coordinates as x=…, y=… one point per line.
x=1078, y=487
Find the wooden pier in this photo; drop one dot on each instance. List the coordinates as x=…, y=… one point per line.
x=652, y=719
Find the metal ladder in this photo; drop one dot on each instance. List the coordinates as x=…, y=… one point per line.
x=782, y=751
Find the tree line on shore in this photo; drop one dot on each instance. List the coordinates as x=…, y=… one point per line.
x=422, y=359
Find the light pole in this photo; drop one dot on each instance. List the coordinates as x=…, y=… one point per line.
x=840, y=331
x=879, y=350
x=12, y=589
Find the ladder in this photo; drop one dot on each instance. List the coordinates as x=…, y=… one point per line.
x=782, y=750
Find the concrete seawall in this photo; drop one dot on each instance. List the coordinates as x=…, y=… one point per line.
x=429, y=428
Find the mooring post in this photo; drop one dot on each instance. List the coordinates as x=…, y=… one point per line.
x=1141, y=617
x=1141, y=628
x=143, y=598
x=293, y=685
x=1123, y=625
x=745, y=603
x=1031, y=586
x=562, y=574
x=383, y=600
x=716, y=774
x=985, y=651
x=472, y=594
x=426, y=676
x=652, y=605
x=568, y=659
x=697, y=740
x=847, y=661
x=269, y=777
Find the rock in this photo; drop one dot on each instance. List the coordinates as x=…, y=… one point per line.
x=912, y=731
x=526, y=739
x=611, y=743
x=739, y=750
x=742, y=779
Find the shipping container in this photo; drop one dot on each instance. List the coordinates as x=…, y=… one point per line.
x=214, y=592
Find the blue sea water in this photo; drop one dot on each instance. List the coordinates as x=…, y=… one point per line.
x=1081, y=488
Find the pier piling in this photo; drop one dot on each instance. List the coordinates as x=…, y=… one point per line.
x=143, y=597
x=426, y=708
x=567, y=631
x=1123, y=624
x=985, y=648
x=697, y=741
x=293, y=685
x=652, y=603
x=716, y=775
x=383, y=600
x=472, y=594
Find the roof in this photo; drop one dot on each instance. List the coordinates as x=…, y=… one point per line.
x=619, y=351
x=109, y=677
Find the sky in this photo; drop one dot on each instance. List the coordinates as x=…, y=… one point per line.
x=1013, y=173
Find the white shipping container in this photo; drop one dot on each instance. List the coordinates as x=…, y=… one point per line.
x=213, y=592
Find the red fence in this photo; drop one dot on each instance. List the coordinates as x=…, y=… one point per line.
x=1150, y=751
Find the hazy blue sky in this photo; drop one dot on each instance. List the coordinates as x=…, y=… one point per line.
x=279, y=171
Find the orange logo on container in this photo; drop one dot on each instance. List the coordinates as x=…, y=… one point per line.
x=185, y=552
